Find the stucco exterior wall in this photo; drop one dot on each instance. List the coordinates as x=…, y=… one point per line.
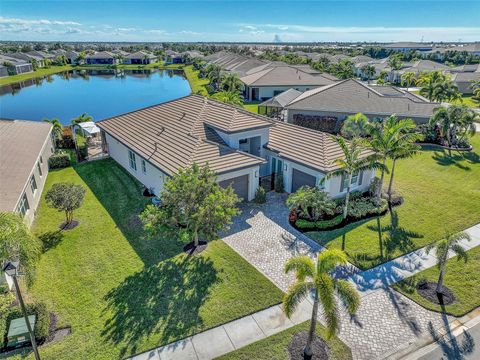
x=33, y=198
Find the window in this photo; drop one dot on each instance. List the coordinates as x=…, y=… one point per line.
x=39, y=169
x=355, y=178
x=33, y=184
x=144, y=166
x=23, y=206
x=132, y=160
x=243, y=141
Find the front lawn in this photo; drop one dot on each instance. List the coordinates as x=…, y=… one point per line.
x=441, y=193
x=35, y=74
x=275, y=346
x=123, y=293
x=462, y=278
x=469, y=101
x=251, y=107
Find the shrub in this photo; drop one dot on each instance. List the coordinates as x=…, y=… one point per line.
x=260, y=196
x=83, y=152
x=363, y=207
x=319, y=224
x=66, y=142
x=59, y=161
x=311, y=203
x=279, y=186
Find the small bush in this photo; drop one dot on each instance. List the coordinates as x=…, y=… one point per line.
x=66, y=142
x=363, y=207
x=260, y=196
x=279, y=186
x=319, y=224
x=59, y=161
x=83, y=152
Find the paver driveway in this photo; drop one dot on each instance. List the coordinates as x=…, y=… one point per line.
x=386, y=319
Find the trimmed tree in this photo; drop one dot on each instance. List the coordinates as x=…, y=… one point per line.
x=66, y=197
x=317, y=278
x=17, y=243
x=192, y=203
x=442, y=248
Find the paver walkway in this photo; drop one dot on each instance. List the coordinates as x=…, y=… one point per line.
x=386, y=320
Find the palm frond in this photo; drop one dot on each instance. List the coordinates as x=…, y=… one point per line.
x=461, y=253
x=348, y=294
x=302, y=265
x=326, y=293
x=294, y=296
x=328, y=260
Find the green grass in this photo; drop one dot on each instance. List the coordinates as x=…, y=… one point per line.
x=275, y=346
x=38, y=73
x=197, y=84
x=123, y=293
x=441, y=193
x=462, y=278
x=469, y=101
x=251, y=107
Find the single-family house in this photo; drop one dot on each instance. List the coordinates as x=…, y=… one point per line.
x=140, y=57
x=265, y=84
x=173, y=57
x=333, y=103
x=25, y=147
x=15, y=66
x=72, y=58
x=102, y=58
x=3, y=71
x=44, y=55
x=465, y=80
x=33, y=59
x=153, y=143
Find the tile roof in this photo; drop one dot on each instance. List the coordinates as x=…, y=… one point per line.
x=353, y=96
x=140, y=55
x=101, y=55
x=284, y=76
x=283, y=99
x=312, y=148
x=175, y=134
x=21, y=142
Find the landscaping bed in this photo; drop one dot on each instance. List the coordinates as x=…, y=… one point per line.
x=122, y=292
x=461, y=280
x=277, y=346
x=441, y=192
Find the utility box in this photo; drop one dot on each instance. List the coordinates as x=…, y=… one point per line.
x=18, y=331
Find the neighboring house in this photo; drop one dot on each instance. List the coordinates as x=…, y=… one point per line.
x=464, y=81
x=265, y=84
x=28, y=57
x=275, y=106
x=3, y=71
x=140, y=57
x=25, y=147
x=72, y=57
x=466, y=68
x=102, y=58
x=409, y=46
x=173, y=57
x=348, y=97
x=241, y=147
x=44, y=55
x=15, y=66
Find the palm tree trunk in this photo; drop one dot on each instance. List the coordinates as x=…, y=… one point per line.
x=307, y=352
x=347, y=197
x=390, y=184
x=380, y=241
x=440, y=280
x=380, y=186
x=195, y=238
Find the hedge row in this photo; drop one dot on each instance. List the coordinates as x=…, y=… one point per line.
x=58, y=161
x=319, y=224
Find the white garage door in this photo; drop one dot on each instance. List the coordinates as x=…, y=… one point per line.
x=239, y=184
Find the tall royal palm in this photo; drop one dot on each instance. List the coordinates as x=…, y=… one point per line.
x=385, y=138
x=352, y=163
x=451, y=243
x=316, y=278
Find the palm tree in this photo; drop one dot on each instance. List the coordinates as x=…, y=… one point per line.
x=57, y=128
x=395, y=62
x=404, y=148
x=352, y=163
x=442, y=248
x=355, y=126
x=382, y=77
x=476, y=88
x=229, y=97
x=408, y=79
x=231, y=82
x=214, y=74
x=385, y=138
x=368, y=71
x=82, y=118
x=317, y=279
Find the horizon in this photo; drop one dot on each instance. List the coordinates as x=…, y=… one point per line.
x=263, y=22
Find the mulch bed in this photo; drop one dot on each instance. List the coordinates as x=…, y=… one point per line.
x=321, y=351
x=191, y=249
x=427, y=289
x=70, y=226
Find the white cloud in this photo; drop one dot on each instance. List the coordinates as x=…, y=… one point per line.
x=189, y=32
x=15, y=21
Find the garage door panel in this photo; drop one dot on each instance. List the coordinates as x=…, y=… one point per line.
x=239, y=185
x=300, y=178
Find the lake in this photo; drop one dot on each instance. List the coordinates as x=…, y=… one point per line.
x=99, y=93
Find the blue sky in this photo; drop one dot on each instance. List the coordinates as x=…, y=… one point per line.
x=248, y=21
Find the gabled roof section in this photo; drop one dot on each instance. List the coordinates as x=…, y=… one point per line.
x=176, y=134
x=352, y=96
x=284, y=75
x=283, y=99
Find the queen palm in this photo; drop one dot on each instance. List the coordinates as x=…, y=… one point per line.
x=82, y=118
x=316, y=278
x=229, y=97
x=57, y=128
x=214, y=73
x=429, y=81
x=408, y=79
x=231, y=82
x=352, y=162
x=355, y=126
x=442, y=248
x=368, y=71
x=385, y=138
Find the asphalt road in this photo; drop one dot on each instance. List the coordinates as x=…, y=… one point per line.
x=465, y=346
